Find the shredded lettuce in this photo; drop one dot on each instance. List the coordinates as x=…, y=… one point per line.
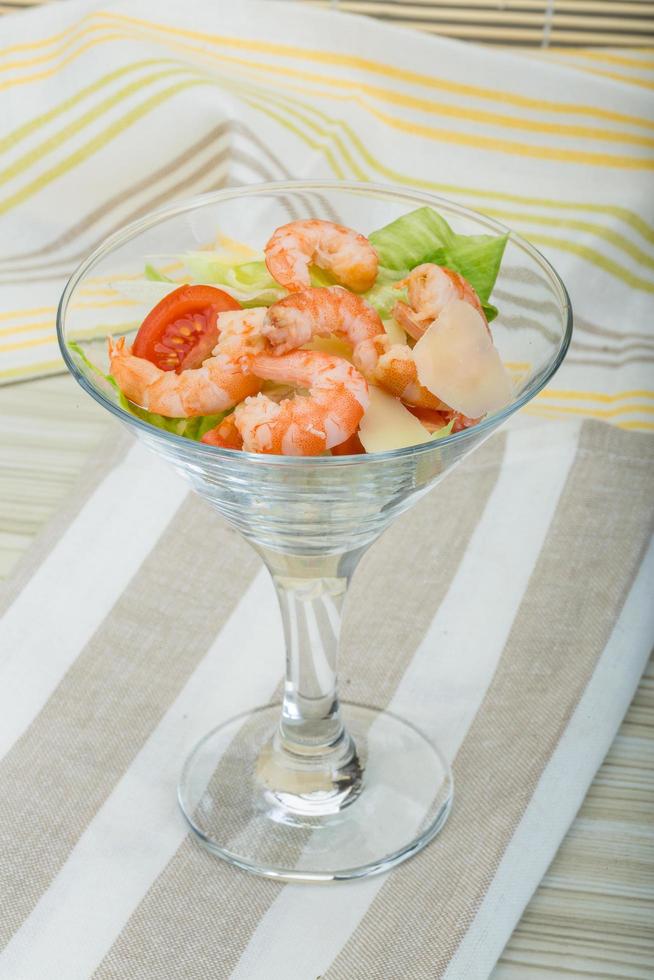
x=154, y=275
x=249, y=282
x=424, y=236
x=193, y=428
x=445, y=431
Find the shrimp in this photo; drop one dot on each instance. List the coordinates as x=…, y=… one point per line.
x=392, y=367
x=347, y=255
x=298, y=318
x=225, y=435
x=241, y=332
x=434, y=420
x=431, y=287
x=219, y=384
x=306, y=425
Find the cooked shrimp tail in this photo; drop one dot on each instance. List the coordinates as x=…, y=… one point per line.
x=225, y=435
x=348, y=256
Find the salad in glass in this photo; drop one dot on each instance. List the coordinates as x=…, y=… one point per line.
x=330, y=343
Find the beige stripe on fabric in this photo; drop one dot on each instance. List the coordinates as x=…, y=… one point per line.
x=65, y=765
x=145, y=184
x=112, y=449
x=208, y=169
x=212, y=908
x=591, y=556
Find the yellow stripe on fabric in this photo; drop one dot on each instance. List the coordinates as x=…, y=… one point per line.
x=620, y=77
x=49, y=72
x=493, y=145
x=10, y=314
x=467, y=139
x=614, y=237
x=48, y=324
x=609, y=58
x=297, y=130
x=435, y=108
x=597, y=396
x=36, y=153
x=95, y=144
x=623, y=214
x=643, y=426
x=596, y=258
x=591, y=255
x=33, y=45
x=99, y=331
x=26, y=328
x=29, y=369
x=19, y=134
x=333, y=58
x=602, y=73
x=300, y=116
x=26, y=344
x=68, y=39
x=386, y=70
x=596, y=413
x=636, y=424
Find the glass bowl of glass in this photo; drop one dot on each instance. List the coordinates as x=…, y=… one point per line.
x=311, y=789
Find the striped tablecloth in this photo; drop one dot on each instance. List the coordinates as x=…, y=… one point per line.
x=521, y=640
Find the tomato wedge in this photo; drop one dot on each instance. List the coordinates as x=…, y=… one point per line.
x=180, y=331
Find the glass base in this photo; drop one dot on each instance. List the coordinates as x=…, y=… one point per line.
x=399, y=801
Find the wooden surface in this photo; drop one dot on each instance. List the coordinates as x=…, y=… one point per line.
x=593, y=915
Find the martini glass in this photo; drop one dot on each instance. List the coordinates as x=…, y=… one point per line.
x=311, y=789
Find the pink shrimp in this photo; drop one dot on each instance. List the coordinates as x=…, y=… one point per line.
x=392, y=367
x=225, y=435
x=347, y=255
x=431, y=287
x=219, y=384
x=434, y=420
x=298, y=318
x=306, y=425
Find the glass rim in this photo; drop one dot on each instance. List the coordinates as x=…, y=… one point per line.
x=134, y=228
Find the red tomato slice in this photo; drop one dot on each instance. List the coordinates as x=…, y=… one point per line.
x=180, y=332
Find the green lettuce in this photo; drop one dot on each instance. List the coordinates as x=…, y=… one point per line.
x=385, y=293
x=445, y=431
x=193, y=428
x=154, y=275
x=249, y=282
x=424, y=236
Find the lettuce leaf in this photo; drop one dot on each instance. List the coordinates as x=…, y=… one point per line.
x=249, y=282
x=193, y=428
x=385, y=293
x=424, y=236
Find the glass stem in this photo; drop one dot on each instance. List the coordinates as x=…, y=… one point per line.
x=312, y=760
